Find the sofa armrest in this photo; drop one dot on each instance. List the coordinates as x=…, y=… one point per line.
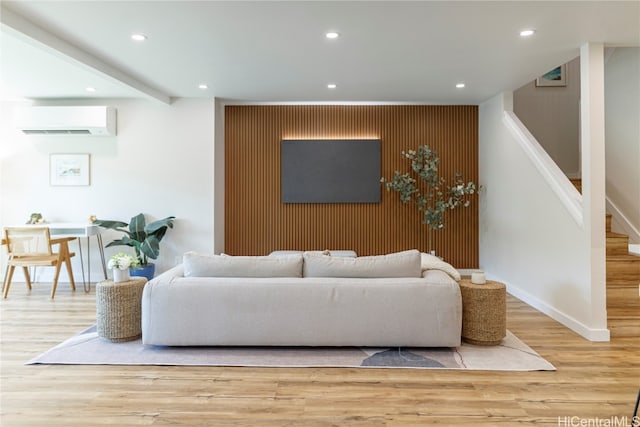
x=437, y=273
x=169, y=275
x=158, y=282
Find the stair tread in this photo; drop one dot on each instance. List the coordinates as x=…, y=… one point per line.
x=624, y=257
x=611, y=234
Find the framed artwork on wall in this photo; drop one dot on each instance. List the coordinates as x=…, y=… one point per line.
x=556, y=77
x=69, y=169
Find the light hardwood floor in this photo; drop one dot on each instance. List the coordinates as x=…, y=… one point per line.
x=593, y=380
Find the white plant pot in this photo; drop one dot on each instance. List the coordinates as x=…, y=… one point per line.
x=120, y=275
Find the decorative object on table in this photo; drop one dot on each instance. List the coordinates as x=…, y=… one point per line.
x=92, y=218
x=69, y=169
x=118, y=309
x=430, y=192
x=36, y=218
x=120, y=276
x=120, y=263
x=478, y=278
x=484, y=312
x=144, y=238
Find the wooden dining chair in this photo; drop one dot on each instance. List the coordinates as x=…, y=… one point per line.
x=32, y=247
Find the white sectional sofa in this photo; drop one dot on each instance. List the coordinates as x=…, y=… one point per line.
x=305, y=299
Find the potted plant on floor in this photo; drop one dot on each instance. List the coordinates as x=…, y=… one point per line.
x=144, y=238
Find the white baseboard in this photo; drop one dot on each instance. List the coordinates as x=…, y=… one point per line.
x=620, y=220
x=568, y=321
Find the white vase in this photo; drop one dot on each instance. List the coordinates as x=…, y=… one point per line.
x=478, y=278
x=120, y=275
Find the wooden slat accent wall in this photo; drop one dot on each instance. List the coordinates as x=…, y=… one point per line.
x=257, y=222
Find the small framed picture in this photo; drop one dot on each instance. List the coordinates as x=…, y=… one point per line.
x=555, y=77
x=69, y=169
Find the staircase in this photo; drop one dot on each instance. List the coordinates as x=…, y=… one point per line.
x=623, y=286
x=623, y=282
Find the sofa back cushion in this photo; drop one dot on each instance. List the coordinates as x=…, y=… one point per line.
x=338, y=253
x=399, y=264
x=198, y=265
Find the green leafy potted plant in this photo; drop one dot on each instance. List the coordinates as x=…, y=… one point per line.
x=433, y=196
x=144, y=238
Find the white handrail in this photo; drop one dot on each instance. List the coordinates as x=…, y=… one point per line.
x=557, y=180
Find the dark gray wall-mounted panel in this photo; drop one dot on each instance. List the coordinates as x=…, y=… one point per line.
x=331, y=171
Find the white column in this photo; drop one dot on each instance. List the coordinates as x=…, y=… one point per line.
x=593, y=176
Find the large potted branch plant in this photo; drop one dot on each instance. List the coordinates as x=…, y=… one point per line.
x=144, y=238
x=427, y=190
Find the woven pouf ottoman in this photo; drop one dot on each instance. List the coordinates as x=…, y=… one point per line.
x=118, y=307
x=484, y=312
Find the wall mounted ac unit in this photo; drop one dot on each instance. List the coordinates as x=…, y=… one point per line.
x=85, y=120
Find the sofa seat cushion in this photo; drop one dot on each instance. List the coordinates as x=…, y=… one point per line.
x=400, y=264
x=198, y=265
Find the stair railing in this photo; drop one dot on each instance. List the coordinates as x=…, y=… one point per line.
x=557, y=180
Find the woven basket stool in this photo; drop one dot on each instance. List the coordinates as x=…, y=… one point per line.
x=118, y=307
x=484, y=312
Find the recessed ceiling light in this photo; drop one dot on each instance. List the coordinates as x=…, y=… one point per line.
x=332, y=86
x=460, y=85
x=527, y=33
x=90, y=89
x=139, y=37
x=332, y=35
x=203, y=86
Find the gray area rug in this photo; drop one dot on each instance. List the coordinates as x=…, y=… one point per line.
x=87, y=348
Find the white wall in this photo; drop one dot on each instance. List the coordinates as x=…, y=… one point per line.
x=528, y=239
x=622, y=124
x=160, y=164
x=552, y=115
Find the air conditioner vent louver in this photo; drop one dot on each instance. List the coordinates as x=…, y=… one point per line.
x=57, y=132
x=90, y=120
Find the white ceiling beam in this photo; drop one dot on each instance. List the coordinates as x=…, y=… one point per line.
x=25, y=28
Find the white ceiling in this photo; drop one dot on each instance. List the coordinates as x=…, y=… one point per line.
x=276, y=51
